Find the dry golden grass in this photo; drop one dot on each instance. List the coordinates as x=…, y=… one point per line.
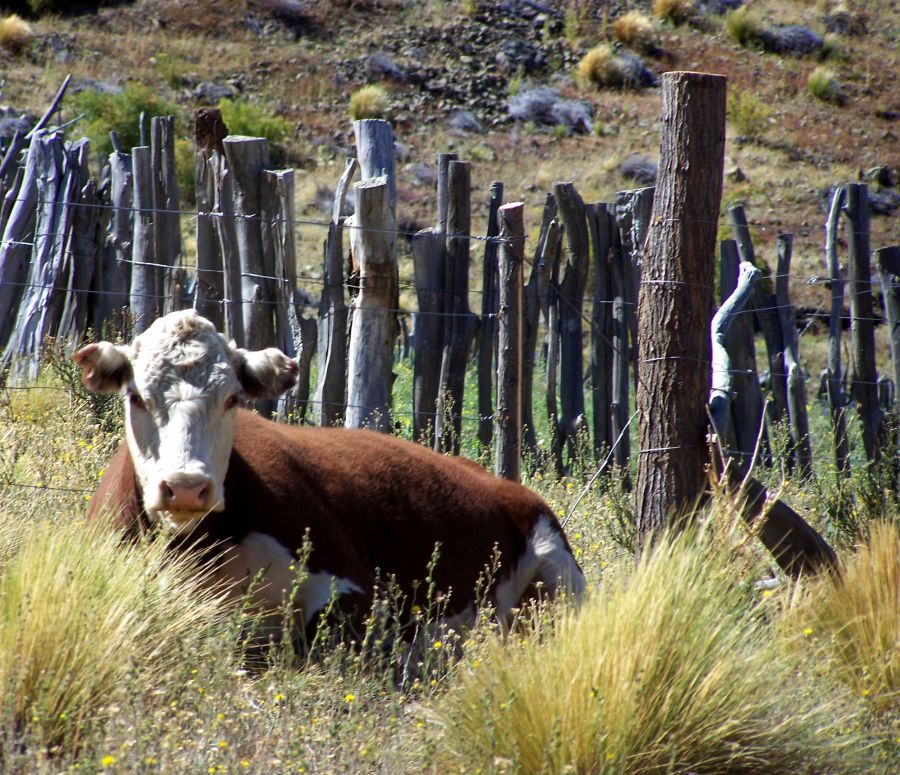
x=15, y=33
x=634, y=29
x=371, y=101
x=674, y=11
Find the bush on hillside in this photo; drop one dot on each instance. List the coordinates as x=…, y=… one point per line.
x=674, y=11
x=604, y=67
x=372, y=101
x=15, y=33
x=634, y=29
x=823, y=84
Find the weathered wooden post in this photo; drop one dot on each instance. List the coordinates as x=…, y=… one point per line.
x=459, y=328
x=862, y=325
x=145, y=290
x=276, y=209
x=507, y=456
x=226, y=231
x=209, y=131
x=487, y=335
x=888, y=262
x=676, y=300
x=119, y=234
x=748, y=417
x=247, y=158
x=166, y=203
x=369, y=375
x=622, y=311
x=837, y=401
x=554, y=428
x=571, y=298
x=331, y=383
x=601, y=224
x=796, y=384
x=428, y=265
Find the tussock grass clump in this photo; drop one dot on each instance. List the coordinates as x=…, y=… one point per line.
x=79, y=612
x=669, y=668
x=372, y=101
x=823, y=84
x=674, y=11
x=244, y=118
x=743, y=27
x=748, y=114
x=856, y=616
x=15, y=33
x=603, y=67
x=634, y=29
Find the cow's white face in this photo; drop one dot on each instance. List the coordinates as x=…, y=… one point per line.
x=182, y=382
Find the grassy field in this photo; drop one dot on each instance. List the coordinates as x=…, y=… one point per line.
x=117, y=659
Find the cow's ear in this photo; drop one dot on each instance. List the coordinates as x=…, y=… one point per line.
x=105, y=368
x=264, y=373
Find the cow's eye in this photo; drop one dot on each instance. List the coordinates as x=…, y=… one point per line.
x=231, y=402
x=136, y=401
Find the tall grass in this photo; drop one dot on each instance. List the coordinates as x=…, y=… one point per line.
x=665, y=669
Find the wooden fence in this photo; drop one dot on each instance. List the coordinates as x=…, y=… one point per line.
x=81, y=252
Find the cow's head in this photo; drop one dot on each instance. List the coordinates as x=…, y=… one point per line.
x=182, y=382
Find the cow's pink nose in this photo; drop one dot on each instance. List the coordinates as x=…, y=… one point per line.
x=187, y=494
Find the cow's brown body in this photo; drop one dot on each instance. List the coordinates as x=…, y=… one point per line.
x=371, y=503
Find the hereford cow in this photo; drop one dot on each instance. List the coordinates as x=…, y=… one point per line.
x=223, y=479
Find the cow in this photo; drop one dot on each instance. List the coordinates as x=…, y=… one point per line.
x=252, y=493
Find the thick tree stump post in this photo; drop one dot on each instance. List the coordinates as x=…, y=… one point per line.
x=534, y=302
x=764, y=306
x=862, y=324
x=837, y=401
x=795, y=382
x=371, y=357
x=676, y=300
x=460, y=326
x=145, y=289
x=331, y=383
x=601, y=225
x=209, y=131
x=748, y=416
x=166, y=203
x=247, y=158
x=487, y=334
x=507, y=456
x=571, y=298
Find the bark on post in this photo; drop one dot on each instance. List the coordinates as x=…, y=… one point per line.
x=764, y=306
x=553, y=341
x=209, y=131
x=622, y=310
x=862, y=325
x=247, y=158
x=277, y=230
x=166, y=203
x=888, y=262
x=428, y=265
x=145, y=288
x=676, y=299
x=119, y=233
x=369, y=376
x=795, y=382
x=534, y=302
x=837, y=401
x=487, y=335
x=602, y=224
x=507, y=457
x=331, y=384
x=226, y=231
x=748, y=416
x=571, y=298
x=375, y=152
x=460, y=325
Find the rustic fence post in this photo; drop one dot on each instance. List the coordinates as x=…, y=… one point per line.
x=331, y=382
x=226, y=230
x=622, y=311
x=837, y=401
x=862, y=325
x=428, y=265
x=534, y=302
x=554, y=429
x=796, y=384
x=888, y=262
x=247, y=158
x=460, y=326
x=677, y=285
x=166, y=203
x=375, y=152
x=276, y=209
x=748, y=416
x=369, y=375
x=209, y=131
x=116, y=261
x=507, y=456
x=601, y=223
x=80, y=253
x=570, y=299
x=487, y=335
x=766, y=312
x=145, y=291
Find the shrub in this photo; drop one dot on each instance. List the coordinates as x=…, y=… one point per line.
x=743, y=27
x=245, y=118
x=748, y=114
x=15, y=33
x=119, y=112
x=372, y=101
x=601, y=66
x=674, y=11
x=634, y=29
x=823, y=85
x=669, y=668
